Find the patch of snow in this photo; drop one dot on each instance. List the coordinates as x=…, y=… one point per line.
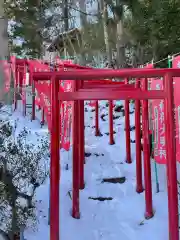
x=120, y=218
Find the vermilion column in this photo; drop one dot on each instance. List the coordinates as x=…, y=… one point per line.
x=97, y=131
x=111, y=136
x=33, y=101
x=81, y=142
x=139, y=185
x=23, y=92
x=16, y=82
x=171, y=160
x=146, y=153
x=54, y=162
x=76, y=161
x=127, y=130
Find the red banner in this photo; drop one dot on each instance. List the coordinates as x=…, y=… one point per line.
x=43, y=99
x=157, y=107
x=158, y=124
x=66, y=117
x=176, y=64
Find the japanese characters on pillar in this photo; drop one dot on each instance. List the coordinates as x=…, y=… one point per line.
x=176, y=80
x=159, y=124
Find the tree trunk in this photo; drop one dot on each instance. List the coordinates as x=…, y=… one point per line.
x=14, y=224
x=121, y=58
x=3, y=33
x=66, y=23
x=106, y=33
x=83, y=22
x=3, y=46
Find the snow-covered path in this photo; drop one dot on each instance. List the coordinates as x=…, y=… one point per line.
x=119, y=218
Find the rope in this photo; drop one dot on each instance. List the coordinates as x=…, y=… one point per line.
x=170, y=57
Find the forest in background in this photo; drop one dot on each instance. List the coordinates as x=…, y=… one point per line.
x=146, y=29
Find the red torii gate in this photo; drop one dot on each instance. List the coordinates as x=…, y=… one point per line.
x=110, y=93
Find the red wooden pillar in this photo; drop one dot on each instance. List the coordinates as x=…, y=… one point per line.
x=75, y=141
x=16, y=82
x=81, y=142
x=171, y=160
x=24, y=97
x=146, y=153
x=55, y=162
x=127, y=130
x=24, y=89
x=111, y=135
x=33, y=101
x=139, y=185
x=97, y=131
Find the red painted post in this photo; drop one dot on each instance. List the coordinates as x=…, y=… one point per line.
x=127, y=130
x=97, y=131
x=33, y=101
x=171, y=160
x=16, y=82
x=139, y=185
x=55, y=162
x=75, y=140
x=111, y=136
x=24, y=102
x=42, y=117
x=81, y=142
x=146, y=152
x=24, y=89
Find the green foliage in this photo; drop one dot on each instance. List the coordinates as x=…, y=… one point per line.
x=27, y=20
x=154, y=25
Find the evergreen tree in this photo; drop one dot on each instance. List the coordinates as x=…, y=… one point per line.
x=154, y=28
x=27, y=19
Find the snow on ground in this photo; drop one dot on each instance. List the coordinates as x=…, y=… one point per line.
x=120, y=218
